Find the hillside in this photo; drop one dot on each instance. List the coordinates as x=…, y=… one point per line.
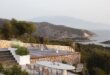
x=45, y=29
x=49, y=30
x=71, y=22
x=106, y=42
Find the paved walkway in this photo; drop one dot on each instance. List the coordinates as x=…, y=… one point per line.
x=51, y=72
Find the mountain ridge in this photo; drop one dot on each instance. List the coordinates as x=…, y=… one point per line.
x=71, y=22
x=52, y=31
x=45, y=29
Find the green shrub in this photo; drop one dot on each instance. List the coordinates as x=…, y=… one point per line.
x=15, y=46
x=98, y=71
x=24, y=73
x=7, y=71
x=13, y=70
x=22, y=51
x=1, y=67
x=64, y=62
x=96, y=58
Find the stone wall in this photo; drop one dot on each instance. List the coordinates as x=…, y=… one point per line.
x=59, y=47
x=52, y=47
x=7, y=44
x=73, y=58
x=4, y=44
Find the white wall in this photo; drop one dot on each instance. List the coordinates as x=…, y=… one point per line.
x=21, y=60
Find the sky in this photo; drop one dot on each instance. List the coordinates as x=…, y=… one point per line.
x=89, y=10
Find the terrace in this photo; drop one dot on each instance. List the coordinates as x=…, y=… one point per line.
x=50, y=52
x=53, y=53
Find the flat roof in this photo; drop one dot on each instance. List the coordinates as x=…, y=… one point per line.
x=55, y=65
x=40, y=53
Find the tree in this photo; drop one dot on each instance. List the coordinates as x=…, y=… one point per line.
x=98, y=71
x=15, y=70
x=46, y=41
x=1, y=68
x=16, y=29
x=25, y=27
x=7, y=30
x=14, y=21
x=95, y=56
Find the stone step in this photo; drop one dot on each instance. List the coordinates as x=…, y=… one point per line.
x=9, y=61
x=2, y=56
x=6, y=57
x=3, y=59
x=4, y=52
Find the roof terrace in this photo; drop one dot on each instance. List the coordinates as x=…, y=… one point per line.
x=42, y=53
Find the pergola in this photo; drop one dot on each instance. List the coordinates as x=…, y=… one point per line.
x=55, y=65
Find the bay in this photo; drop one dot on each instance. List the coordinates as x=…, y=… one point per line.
x=101, y=36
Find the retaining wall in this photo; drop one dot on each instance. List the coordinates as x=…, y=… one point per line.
x=73, y=58
x=7, y=44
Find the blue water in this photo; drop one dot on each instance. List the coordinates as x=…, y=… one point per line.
x=101, y=36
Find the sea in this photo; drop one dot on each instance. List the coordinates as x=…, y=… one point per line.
x=101, y=36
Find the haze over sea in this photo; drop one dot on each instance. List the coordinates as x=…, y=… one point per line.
x=101, y=36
